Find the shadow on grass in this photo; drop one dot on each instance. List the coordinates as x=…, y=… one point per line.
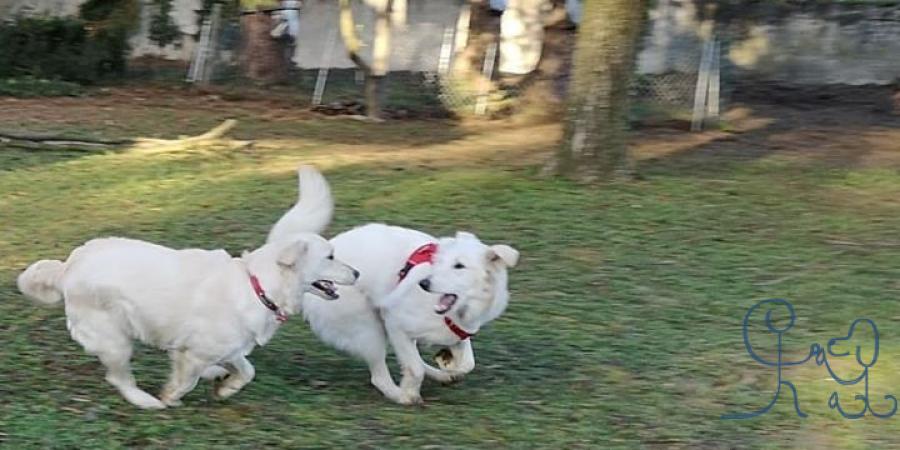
x=804, y=138
x=14, y=159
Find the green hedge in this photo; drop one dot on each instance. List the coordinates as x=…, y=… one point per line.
x=61, y=48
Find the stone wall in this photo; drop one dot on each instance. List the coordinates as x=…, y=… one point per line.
x=836, y=44
x=785, y=42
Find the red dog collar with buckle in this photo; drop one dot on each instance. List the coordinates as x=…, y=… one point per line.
x=459, y=332
x=425, y=254
x=280, y=315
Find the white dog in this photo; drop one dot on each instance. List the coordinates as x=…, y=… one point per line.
x=414, y=289
x=206, y=308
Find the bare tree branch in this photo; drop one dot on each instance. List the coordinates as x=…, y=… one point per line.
x=348, y=34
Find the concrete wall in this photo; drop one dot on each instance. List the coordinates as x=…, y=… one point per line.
x=416, y=46
x=831, y=45
x=182, y=15
x=822, y=45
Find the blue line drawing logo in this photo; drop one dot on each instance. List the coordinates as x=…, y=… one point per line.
x=820, y=355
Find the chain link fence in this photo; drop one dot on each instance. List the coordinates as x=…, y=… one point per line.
x=214, y=57
x=688, y=84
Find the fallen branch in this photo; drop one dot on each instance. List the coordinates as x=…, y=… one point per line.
x=55, y=139
x=212, y=138
x=55, y=145
x=211, y=135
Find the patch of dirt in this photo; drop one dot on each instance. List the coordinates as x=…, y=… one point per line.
x=837, y=126
x=112, y=103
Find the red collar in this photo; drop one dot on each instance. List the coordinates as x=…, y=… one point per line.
x=459, y=332
x=423, y=254
x=280, y=315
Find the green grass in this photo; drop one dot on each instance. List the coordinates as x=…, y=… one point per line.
x=38, y=87
x=623, y=330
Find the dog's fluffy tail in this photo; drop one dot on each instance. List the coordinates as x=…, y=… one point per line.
x=313, y=210
x=40, y=281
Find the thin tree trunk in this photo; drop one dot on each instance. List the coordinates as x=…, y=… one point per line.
x=521, y=36
x=381, y=55
x=381, y=51
x=348, y=35
x=375, y=94
x=594, y=145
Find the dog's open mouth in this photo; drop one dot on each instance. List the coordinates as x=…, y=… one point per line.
x=325, y=289
x=445, y=303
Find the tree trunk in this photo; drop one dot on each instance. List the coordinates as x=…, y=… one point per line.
x=594, y=145
x=263, y=58
x=375, y=96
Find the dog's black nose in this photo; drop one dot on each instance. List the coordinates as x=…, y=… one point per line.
x=425, y=284
x=355, y=274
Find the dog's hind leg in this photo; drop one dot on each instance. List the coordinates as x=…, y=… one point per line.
x=412, y=364
x=186, y=371
x=381, y=378
x=99, y=333
x=241, y=372
x=118, y=374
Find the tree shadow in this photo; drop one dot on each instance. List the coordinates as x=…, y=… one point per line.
x=13, y=159
x=842, y=137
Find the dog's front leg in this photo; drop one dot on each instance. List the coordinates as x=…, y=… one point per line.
x=463, y=358
x=454, y=363
x=186, y=370
x=412, y=364
x=241, y=372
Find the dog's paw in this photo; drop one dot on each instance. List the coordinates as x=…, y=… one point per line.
x=170, y=402
x=224, y=391
x=226, y=387
x=455, y=377
x=446, y=376
x=152, y=405
x=411, y=400
x=143, y=400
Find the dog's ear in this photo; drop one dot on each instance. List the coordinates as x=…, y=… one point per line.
x=290, y=254
x=503, y=254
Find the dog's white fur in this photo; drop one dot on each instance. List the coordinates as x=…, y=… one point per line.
x=378, y=310
x=198, y=305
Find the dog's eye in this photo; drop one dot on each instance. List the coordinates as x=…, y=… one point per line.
x=330, y=256
x=459, y=266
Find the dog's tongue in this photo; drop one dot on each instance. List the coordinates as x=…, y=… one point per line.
x=445, y=303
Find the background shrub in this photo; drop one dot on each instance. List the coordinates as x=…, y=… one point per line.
x=82, y=50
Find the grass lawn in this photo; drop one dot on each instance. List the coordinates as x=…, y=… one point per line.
x=624, y=325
